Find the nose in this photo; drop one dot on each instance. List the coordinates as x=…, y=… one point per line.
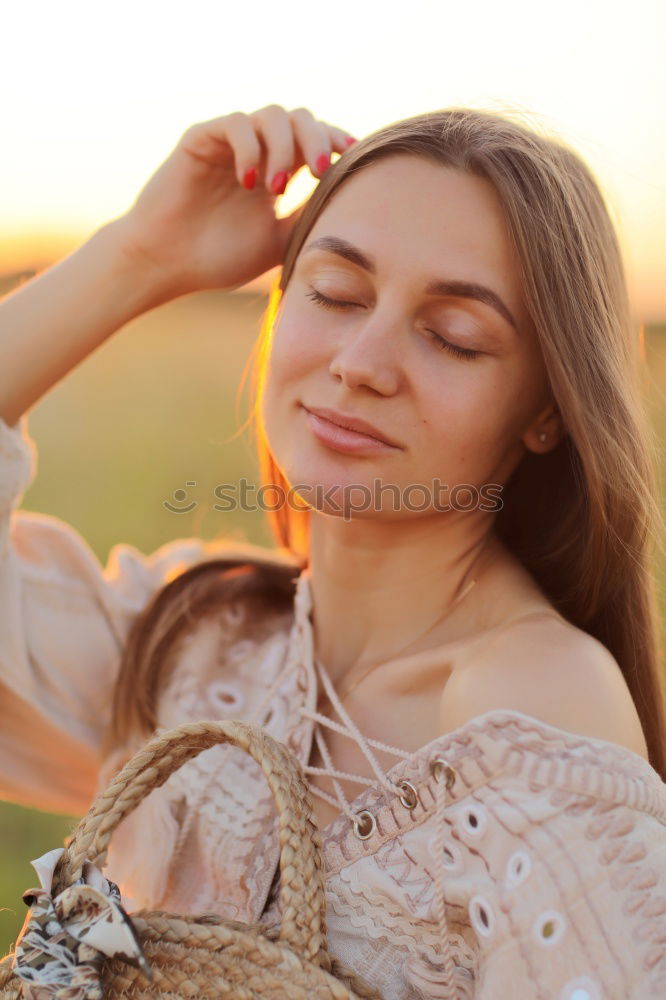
x=367, y=356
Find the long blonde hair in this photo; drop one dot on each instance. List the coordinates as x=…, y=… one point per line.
x=584, y=518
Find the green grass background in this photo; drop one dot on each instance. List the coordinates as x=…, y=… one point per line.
x=154, y=407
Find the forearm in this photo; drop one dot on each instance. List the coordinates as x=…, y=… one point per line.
x=55, y=320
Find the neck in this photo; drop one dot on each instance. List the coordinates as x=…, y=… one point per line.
x=377, y=587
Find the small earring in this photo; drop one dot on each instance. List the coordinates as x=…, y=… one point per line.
x=542, y=436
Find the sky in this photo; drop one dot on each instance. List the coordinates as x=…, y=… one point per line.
x=95, y=96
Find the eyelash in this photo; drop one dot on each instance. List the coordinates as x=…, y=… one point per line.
x=460, y=352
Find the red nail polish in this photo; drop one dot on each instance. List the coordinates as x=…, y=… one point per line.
x=323, y=163
x=349, y=140
x=279, y=182
x=250, y=178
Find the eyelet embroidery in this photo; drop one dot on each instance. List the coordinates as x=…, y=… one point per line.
x=225, y=695
x=518, y=868
x=362, y=818
x=481, y=916
x=274, y=716
x=581, y=988
x=240, y=650
x=548, y=928
x=472, y=820
x=452, y=858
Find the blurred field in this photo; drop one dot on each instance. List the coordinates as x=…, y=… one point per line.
x=151, y=410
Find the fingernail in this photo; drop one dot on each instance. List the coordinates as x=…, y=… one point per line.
x=279, y=182
x=323, y=163
x=349, y=140
x=250, y=178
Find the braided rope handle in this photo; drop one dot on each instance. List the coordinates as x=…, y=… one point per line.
x=302, y=885
x=10, y=984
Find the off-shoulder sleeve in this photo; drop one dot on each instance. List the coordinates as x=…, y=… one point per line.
x=566, y=892
x=64, y=619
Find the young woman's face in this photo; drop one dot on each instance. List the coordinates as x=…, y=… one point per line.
x=452, y=419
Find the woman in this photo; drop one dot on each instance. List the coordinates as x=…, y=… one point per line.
x=454, y=289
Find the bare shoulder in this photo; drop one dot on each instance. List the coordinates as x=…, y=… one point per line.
x=553, y=671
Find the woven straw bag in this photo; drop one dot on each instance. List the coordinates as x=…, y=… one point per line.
x=176, y=956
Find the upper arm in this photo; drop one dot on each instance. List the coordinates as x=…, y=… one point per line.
x=553, y=672
x=64, y=619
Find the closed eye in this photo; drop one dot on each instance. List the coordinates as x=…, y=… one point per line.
x=460, y=352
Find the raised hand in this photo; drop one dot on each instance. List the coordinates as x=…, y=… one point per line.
x=197, y=221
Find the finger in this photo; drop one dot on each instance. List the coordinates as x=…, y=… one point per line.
x=274, y=128
x=218, y=139
x=313, y=141
x=340, y=140
x=247, y=148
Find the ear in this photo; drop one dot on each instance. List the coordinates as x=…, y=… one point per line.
x=545, y=431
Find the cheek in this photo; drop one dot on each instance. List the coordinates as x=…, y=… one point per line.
x=289, y=361
x=464, y=421
x=293, y=353
x=461, y=403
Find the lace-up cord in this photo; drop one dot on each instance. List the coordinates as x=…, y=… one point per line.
x=351, y=730
x=355, y=731
x=332, y=724
x=339, y=800
x=440, y=905
x=331, y=772
x=300, y=652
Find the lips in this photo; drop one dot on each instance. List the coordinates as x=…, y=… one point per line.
x=351, y=423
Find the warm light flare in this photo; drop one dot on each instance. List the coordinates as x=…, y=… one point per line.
x=95, y=103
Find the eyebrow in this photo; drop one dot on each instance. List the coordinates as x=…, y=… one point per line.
x=447, y=289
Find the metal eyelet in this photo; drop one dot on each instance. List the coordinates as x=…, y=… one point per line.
x=357, y=824
x=409, y=798
x=438, y=765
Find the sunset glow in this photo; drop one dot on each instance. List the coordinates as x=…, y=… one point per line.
x=99, y=95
